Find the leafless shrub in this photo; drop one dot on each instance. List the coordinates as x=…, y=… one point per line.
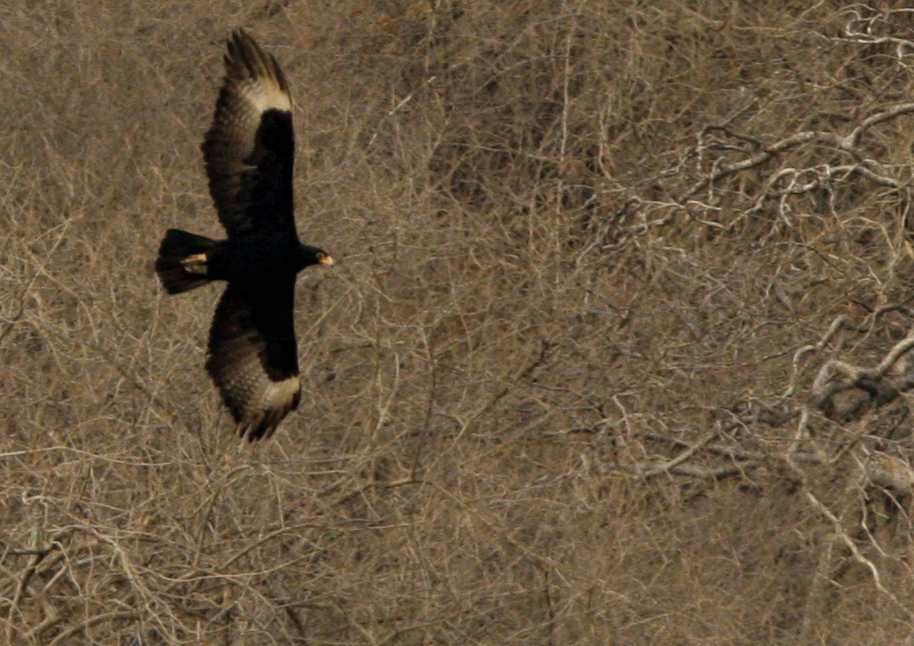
x=618, y=350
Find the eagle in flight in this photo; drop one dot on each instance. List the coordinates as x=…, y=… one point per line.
x=249, y=152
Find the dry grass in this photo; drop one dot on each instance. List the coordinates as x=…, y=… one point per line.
x=579, y=378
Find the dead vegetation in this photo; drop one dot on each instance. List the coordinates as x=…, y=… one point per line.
x=618, y=350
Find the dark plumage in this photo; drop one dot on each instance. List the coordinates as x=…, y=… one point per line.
x=249, y=153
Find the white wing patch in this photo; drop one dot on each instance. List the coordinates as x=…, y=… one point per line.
x=281, y=394
x=277, y=400
x=265, y=95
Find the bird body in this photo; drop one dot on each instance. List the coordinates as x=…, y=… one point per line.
x=249, y=152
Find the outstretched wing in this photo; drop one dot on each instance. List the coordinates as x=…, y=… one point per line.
x=253, y=357
x=250, y=148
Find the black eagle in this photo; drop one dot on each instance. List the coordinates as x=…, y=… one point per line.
x=249, y=153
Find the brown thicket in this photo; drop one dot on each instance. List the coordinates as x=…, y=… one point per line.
x=618, y=350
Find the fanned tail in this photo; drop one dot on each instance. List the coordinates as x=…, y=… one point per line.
x=182, y=261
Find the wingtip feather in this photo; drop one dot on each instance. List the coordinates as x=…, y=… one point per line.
x=246, y=60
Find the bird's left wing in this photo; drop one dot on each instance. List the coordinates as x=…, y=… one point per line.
x=249, y=149
x=253, y=356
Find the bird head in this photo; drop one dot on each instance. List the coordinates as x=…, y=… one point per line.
x=313, y=256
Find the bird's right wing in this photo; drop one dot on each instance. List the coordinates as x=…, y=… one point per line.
x=253, y=356
x=249, y=149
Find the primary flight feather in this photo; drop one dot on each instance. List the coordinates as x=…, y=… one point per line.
x=249, y=152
